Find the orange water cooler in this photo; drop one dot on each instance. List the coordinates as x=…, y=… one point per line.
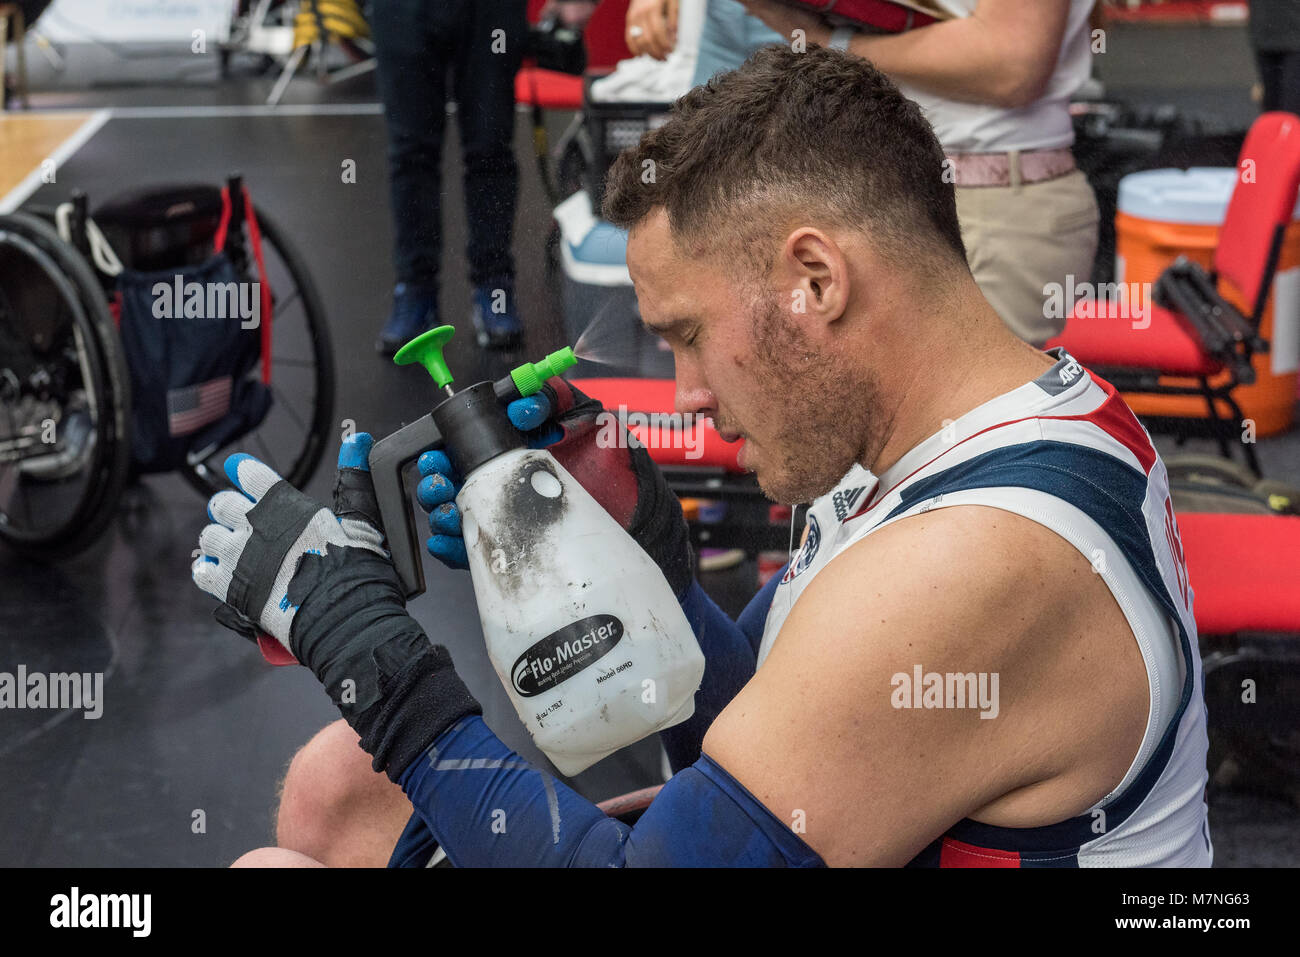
x=1167, y=213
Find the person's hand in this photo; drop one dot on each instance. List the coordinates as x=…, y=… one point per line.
x=322, y=585
x=619, y=474
x=784, y=19
x=251, y=555
x=573, y=14
x=651, y=27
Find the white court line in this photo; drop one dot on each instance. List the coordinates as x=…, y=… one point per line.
x=204, y=112
x=33, y=181
x=261, y=109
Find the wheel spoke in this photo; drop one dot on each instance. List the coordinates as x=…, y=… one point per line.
x=288, y=408
x=283, y=304
x=269, y=458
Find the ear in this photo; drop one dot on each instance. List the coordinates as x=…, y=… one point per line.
x=816, y=271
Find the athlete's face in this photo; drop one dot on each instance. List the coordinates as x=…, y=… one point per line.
x=744, y=359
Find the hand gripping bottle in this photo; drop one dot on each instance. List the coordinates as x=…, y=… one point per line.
x=581, y=626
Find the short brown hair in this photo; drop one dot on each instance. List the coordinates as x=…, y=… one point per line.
x=819, y=135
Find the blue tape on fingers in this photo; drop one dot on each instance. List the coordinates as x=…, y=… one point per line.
x=449, y=550
x=434, y=490
x=544, y=437
x=529, y=412
x=232, y=468
x=434, y=461
x=354, y=453
x=445, y=519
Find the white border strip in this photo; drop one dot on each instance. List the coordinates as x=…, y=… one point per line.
x=32, y=181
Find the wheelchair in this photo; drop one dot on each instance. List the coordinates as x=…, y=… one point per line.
x=66, y=397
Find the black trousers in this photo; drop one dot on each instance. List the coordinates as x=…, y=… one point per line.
x=480, y=44
x=1280, y=74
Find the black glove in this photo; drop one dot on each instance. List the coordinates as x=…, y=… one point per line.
x=321, y=584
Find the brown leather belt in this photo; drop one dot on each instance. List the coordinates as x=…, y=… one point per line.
x=1013, y=168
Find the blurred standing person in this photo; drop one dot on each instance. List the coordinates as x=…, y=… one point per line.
x=1275, y=38
x=480, y=43
x=995, y=82
x=729, y=35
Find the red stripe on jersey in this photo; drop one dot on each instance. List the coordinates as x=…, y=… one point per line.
x=1113, y=417
x=1117, y=420
x=954, y=853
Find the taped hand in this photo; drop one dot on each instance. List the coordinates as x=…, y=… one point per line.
x=321, y=584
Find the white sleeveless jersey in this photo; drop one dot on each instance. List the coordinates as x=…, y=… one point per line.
x=1064, y=451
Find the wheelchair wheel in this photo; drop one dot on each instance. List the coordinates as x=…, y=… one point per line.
x=64, y=396
x=293, y=436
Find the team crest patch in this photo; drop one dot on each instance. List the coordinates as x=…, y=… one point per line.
x=808, y=552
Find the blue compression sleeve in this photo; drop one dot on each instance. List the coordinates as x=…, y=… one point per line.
x=730, y=652
x=488, y=807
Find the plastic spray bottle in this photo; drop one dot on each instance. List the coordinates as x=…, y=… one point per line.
x=581, y=626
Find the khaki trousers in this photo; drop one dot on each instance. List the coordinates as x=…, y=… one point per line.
x=1020, y=239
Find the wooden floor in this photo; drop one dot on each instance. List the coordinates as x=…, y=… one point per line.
x=28, y=139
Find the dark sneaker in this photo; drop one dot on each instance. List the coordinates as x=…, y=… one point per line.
x=494, y=317
x=415, y=310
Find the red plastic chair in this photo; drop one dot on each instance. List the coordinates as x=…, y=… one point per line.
x=697, y=463
x=1193, y=331
x=1243, y=571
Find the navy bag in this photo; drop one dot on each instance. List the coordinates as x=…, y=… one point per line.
x=191, y=324
x=189, y=355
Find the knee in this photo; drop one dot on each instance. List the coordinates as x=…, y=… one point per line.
x=275, y=857
x=328, y=780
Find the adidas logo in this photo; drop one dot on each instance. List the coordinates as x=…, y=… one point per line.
x=844, y=501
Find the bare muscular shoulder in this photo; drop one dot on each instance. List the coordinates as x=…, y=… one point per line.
x=835, y=738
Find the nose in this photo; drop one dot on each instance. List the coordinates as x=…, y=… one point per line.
x=692, y=395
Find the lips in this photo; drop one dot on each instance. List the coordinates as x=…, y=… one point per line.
x=725, y=435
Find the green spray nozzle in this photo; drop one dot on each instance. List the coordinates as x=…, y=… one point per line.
x=426, y=349
x=530, y=376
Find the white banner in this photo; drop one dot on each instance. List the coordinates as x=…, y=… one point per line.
x=136, y=21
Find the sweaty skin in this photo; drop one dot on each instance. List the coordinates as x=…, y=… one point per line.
x=874, y=363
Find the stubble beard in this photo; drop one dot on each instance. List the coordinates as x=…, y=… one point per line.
x=827, y=408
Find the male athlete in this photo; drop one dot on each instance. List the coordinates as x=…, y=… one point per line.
x=982, y=655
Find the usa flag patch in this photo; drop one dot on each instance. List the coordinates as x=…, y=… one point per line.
x=192, y=407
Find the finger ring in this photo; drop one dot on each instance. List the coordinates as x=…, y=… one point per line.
x=634, y=32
